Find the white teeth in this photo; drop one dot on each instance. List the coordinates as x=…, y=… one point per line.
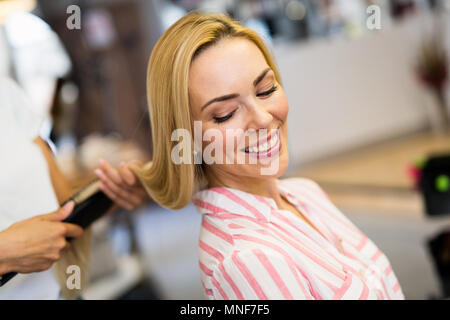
x=265, y=146
x=273, y=141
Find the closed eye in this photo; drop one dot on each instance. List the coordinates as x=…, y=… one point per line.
x=225, y=118
x=268, y=92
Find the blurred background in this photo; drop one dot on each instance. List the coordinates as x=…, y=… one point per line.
x=369, y=109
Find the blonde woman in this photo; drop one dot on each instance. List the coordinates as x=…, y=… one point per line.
x=261, y=237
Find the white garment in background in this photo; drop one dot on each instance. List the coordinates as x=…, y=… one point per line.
x=25, y=185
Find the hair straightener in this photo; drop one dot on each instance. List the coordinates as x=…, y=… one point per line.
x=90, y=204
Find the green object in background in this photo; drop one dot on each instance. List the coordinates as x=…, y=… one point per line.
x=420, y=162
x=442, y=183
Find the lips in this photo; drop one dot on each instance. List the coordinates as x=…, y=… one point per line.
x=267, y=148
x=263, y=146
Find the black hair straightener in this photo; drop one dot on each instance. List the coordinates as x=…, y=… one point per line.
x=90, y=204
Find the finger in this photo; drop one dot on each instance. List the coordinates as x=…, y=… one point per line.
x=115, y=198
x=65, y=243
x=107, y=181
x=61, y=213
x=141, y=192
x=110, y=172
x=118, y=200
x=121, y=191
x=135, y=200
x=118, y=190
x=121, y=195
x=72, y=230
x=126, y=197
x=68, y=246
x=125, y=205
x=127, y=175
x=132, y=198
x=102, y=176
x=108, y=192
x=135, y=163
x=138, y=195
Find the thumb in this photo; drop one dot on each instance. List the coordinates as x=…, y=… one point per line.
x=61, y=213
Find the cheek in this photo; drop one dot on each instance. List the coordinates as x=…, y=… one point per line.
x=215, y=139
x=281, y=107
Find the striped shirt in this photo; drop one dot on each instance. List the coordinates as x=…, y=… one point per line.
x=250, y=249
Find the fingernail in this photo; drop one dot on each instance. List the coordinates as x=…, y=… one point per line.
x=99, y=173
x=68, y=206
x=101, y=162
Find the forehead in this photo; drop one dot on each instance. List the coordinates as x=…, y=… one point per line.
x=226, y=66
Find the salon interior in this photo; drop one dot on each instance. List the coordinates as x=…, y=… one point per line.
x=367, y=84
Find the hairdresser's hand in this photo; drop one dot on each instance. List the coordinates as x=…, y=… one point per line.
x=121, y=185
x=34, y=244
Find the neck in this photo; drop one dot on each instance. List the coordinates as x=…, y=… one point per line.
x=262, y=186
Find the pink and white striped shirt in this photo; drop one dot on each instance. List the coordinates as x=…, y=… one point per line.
x=250, y=249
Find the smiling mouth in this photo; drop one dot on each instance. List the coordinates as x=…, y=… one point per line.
x=272, y=145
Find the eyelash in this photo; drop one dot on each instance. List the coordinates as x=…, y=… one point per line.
x=262, y=94
x=268, y=92
x=223, y=119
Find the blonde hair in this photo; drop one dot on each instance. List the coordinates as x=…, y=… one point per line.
x=79, y=254
x=169, y=184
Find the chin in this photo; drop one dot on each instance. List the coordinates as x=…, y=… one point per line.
x=283, y=165
x=272, y=171
x=283, y=162
x=275, y=169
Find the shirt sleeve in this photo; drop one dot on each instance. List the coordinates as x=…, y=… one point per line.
x=259, y=275
x=370, y=248
x=19, y=118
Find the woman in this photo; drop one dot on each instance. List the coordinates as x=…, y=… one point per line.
x=261, y=237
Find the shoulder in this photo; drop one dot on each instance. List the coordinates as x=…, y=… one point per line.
x=315, y=196
x=17, y=111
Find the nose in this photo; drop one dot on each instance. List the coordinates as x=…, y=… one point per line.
x=260, y=116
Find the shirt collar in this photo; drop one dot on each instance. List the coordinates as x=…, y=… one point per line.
x=223, y=200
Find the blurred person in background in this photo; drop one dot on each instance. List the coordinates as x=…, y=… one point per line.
x=32, y=183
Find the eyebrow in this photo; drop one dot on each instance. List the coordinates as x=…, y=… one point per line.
x=234, y=95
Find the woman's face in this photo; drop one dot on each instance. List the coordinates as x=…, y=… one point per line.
x=242, y=109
